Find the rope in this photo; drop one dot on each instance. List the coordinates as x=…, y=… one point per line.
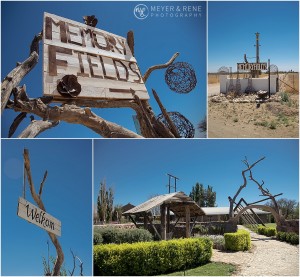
x=24, y=181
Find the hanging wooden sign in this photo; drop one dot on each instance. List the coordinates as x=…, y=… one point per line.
x=102, y=62
x=252, y=66
x=35, y=215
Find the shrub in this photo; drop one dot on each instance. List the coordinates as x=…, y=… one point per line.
x=97, y=239
x=117, y=235
x=270, y=232
x=217, y=240
x=292, y=237
x=151, y=258
x=261, y=230
x=238, y=241
x=266, y=231
x=200, y=229
x=281, y=236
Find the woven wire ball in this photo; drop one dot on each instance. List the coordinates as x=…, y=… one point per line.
x=181, y=77
x=183, y=125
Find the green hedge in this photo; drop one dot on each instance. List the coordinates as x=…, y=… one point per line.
x=151, y=258
x=107, y=235
x=291, y=237
x=267, y=231
x=238, y=241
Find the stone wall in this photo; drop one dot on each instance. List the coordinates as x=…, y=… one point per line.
x=289, y=226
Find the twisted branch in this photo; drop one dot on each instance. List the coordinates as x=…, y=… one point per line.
x=17, y=74
x=159, y=66
x=37, y=198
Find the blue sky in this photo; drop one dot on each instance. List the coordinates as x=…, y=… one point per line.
x=137, y=169
x=231, y=33
x=67, y=196
x=156, y=40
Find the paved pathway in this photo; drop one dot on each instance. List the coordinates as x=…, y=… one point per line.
x=268, y=257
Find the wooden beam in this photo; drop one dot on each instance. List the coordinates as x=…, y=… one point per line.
x=187, y=221
x=168, y=219
x=155, y=230
x=175, y=224
x=163, y=221
x=132, y=219
x=145, y=221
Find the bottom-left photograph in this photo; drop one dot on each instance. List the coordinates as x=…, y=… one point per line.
x=46, y=203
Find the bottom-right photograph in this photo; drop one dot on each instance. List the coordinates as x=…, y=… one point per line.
x=217, y=207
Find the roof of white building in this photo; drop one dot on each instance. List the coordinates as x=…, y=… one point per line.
x=210, y=211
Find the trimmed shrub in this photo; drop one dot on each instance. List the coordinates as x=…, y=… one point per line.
x=151, y=258
x=292, y=237
x=118, y=235
x=270, y=232
x=238, y=241
x=281, y=236
x=266, y=231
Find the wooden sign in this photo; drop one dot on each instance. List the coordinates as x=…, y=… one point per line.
x=35, y=215
x=252, y=66
x=102, y=61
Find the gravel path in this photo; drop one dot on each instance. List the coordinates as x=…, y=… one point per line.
x=268, y=257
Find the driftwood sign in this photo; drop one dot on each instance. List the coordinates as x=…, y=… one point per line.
x=35, y=215
x=102, y=62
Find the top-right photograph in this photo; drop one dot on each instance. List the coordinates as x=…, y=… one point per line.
x=253, y=69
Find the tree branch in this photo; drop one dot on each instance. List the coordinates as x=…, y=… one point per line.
x=165, y=114
x=73, y=114
x=42, y=184
x=249, y=167
x=36, y=127
x=39, y=202
x=16, y=123
x=17, y=74
x=74, y=264
x=159, y=66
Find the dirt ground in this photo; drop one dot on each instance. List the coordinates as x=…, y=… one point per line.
x=243, y=117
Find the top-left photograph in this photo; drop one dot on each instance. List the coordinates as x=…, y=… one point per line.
x=103, y=69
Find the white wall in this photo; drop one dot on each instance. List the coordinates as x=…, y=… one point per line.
x=257, y=83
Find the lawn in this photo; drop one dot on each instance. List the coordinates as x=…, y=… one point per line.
x=268, y=225
x=210, y=269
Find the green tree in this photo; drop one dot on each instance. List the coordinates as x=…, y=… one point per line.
x=110, y=204
x=210, y=197
x=101, y=202
x=203, y=197
x=117, y=213
x=289, y=208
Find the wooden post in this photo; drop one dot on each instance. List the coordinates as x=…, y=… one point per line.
x=145, y=221
x=168, y=219
x=187, y=221
x=163, y=221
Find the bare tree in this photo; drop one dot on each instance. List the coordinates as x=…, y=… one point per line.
x=38, y=200
x=264, y=191
x=233, y=200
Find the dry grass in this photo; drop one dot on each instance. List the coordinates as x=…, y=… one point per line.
x=292, y=80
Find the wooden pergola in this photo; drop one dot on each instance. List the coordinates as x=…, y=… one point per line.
x=181, y=205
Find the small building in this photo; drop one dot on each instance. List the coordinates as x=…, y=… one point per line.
x=181, y=205
x=222, y=214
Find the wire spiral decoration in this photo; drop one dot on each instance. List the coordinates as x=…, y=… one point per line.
x=180, y=77
x=223, y=70
x=183, y=125
x=273, y=69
